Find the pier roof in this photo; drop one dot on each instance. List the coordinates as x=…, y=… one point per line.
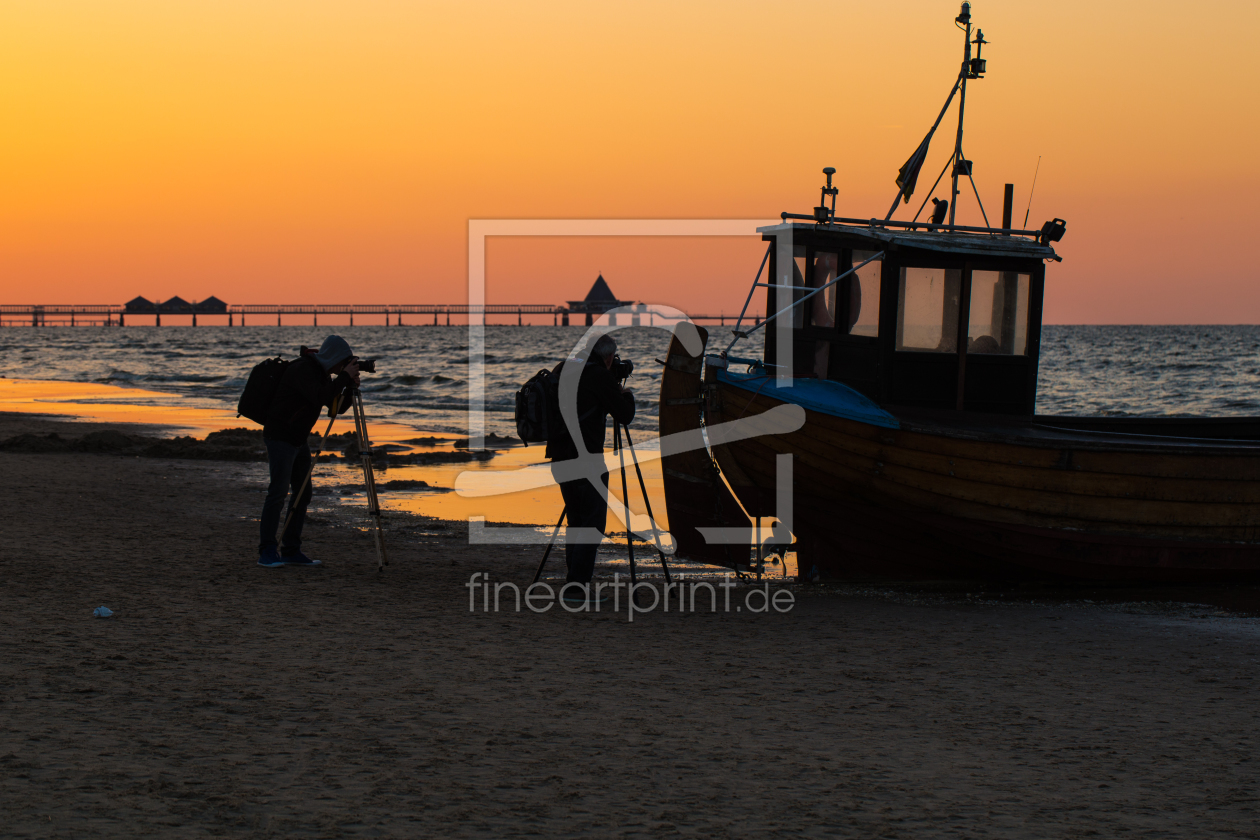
x=599, y=299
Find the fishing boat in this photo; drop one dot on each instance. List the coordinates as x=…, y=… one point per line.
x=912, y=348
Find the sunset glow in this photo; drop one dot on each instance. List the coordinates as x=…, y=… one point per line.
x=323, y=152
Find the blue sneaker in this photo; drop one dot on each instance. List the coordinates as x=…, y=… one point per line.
x=298, y=559
x=270, y=558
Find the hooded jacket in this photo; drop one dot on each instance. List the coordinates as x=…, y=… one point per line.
x=305, y=390
x=598, y=395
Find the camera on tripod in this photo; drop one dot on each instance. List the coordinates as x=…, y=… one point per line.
x=366, y=365
x=621, y=368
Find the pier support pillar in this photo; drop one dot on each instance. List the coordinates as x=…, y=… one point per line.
x=277, y=317
x=314, y=319
x=229, y=319
x=564, y=319
x=157, y=320
x=435, y=323
x=519, y=322
x=122, y=320
x=352, y=318
x=194, y=319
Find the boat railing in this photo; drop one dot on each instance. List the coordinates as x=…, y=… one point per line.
x=912, y=226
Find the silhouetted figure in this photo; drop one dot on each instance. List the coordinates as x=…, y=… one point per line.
x=310, y=384
x=984, y=344
x=599, y=395
x=941, y=207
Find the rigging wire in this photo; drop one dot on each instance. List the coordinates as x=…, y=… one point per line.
x=1028, y=209
x=762, y=268
x=799, y=301
x=928, y=139
x=977, y=192
x=934, y=185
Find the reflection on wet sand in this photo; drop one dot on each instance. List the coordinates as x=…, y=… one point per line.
x=534, y=506
x=167, y=414
x=113, y=404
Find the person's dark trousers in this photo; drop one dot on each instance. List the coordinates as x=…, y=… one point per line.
x=289, y=465
x=586, y=508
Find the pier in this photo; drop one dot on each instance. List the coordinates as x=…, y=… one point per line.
x=214, y=312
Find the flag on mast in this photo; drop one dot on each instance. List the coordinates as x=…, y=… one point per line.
x=908, y=175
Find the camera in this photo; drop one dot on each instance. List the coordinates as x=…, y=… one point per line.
x=366, y=365
x=621, y=368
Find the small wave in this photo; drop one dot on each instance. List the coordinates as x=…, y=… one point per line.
x=120, y=376
x=191, y=378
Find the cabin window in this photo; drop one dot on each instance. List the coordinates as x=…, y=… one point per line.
x=822, y=306
x=862, y=288
x=927, y=310
x=798, y=279
x=999, y=313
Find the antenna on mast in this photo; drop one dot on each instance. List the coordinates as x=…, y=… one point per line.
x=956, y=164
x=972, y=68
x=821, y=213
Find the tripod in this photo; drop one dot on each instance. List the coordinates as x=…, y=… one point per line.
x=369, y=480
x=361, y=436
x=618, y=428
x=625, y=495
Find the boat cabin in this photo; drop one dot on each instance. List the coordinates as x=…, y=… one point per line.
x=934, y=319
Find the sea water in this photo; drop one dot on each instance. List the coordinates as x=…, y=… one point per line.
x=423, y=372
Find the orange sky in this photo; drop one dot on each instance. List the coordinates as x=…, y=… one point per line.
x=319, y=151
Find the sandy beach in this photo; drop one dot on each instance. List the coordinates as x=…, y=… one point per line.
x=979, y=450
x=224, y=699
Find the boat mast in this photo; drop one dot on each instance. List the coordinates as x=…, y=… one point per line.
x=964, y=17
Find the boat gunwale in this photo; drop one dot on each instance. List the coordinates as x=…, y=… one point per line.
x=898, y=489
x=1057, y=438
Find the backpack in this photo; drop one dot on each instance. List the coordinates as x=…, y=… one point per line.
x=260, y=389
x=538, y=407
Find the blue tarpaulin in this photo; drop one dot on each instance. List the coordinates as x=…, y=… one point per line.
x=821, y=395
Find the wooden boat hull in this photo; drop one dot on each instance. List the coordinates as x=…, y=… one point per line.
x=977, y=497
x=695, y=495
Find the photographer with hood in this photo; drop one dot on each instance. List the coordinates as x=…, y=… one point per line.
x=310, y=384
x=599, y=395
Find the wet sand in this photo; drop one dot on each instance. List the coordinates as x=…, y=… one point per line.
x=132, y=409
x=225, y=699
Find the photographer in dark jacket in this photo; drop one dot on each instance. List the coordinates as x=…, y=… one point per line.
x=598, y=396
x=310, y=384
